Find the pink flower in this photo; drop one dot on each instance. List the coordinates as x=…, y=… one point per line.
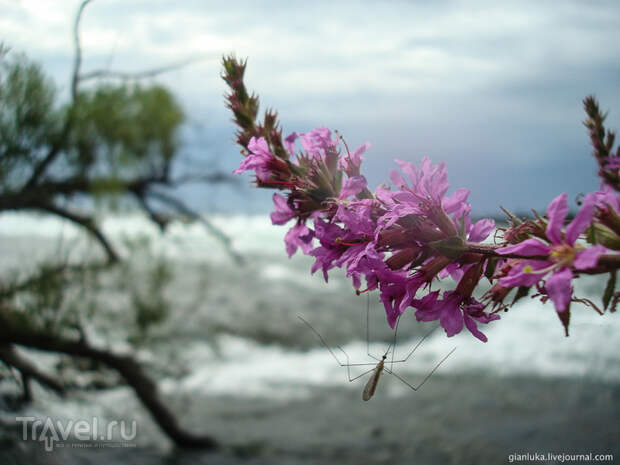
x=425, y=197
x=350, y=163
x=283, y=211
x=452, y=311
x=606, y=198
x=397, y=291
x=299, y=236
x=318, y=142
x=259, y=160
x=612, y=163
x=289, y=142
x=563, y=253
x=352, y=187
x=430, y=182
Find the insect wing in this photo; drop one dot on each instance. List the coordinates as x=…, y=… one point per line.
x=371, y=385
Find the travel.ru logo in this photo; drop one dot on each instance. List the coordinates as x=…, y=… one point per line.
x=54, y=433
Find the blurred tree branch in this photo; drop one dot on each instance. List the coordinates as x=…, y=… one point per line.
x=100, y=130
x=126, y=76
x=126, y=365
x=10, y=356
x=107, y=140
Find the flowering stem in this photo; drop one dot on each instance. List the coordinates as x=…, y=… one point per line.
x=606, y=263
x=490, y=250
x=410, y=233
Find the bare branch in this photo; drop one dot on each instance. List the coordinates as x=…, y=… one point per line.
x=45, y=272
x=126, y=76
x=141, y=188
x=58, y=143
x=184, y=209
x=127, y=366
x=77, y=60
x=11, y=357
x=217, y=177
x=157, y=218
x=87, y=223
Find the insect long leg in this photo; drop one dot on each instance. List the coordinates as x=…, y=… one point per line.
x=394, y=344
x=348, y=364
x=322, y=341
x=415, y=388
x=415, y=347
x=368, y=330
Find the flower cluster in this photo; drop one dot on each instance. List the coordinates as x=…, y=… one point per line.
x=403, y=238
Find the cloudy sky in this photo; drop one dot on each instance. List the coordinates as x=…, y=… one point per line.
x=493, y=89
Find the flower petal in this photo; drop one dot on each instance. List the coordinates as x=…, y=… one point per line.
x=557, y=211
x=428, y=307
x=283, y=212
x=528, y=248
x=588, y=258
x=581, y=221
x=473, y=328
x=397, y=179
x=481, y=229
x=451, y=317
x=352, y=186
x=298, y=236
x=559, y=289
x=452, y=202
x=518, y=277
x=289, y=142
x=356, y=156
x=410, y=170
x=259, y=146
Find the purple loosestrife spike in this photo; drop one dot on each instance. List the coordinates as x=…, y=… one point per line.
x=401, y=238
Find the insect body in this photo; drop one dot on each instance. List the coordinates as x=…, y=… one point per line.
x=371, y=385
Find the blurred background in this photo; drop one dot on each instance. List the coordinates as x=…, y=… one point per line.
x=122, y=230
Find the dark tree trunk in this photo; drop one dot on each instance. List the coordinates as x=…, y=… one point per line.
x=144, y=387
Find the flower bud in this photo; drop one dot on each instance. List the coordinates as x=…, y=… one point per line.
x=606, y=237
x=402, y=258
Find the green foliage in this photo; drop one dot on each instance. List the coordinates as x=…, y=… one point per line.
x=145, y=279
x=59, y=299
x=127, y=129
x=45, y=298
x=151, y=307
x=110, y=131
x=28, y=119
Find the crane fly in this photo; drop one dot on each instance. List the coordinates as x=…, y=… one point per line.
x=371, y=385
x=379, y=366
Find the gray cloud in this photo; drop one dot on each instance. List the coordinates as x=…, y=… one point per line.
x=492, y=88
